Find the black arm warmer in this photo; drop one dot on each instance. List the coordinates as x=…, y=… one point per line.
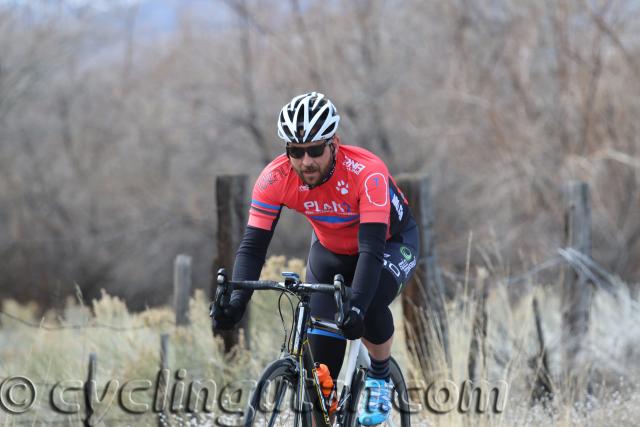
x=371, y=241
x=250, y=259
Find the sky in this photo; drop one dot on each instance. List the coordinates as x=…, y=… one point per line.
x=157, y=16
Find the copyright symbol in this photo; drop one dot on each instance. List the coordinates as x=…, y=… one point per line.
x=17, y=395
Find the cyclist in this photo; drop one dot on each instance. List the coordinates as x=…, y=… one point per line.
x=362, y=229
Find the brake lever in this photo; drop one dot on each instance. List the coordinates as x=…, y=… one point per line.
x=223, y=293
x=339, y=295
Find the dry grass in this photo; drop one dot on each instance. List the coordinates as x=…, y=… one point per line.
x=47, y=356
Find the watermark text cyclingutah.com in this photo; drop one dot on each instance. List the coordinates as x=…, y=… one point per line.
x=175, y=394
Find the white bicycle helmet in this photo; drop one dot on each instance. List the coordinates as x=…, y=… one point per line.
x=308, y=117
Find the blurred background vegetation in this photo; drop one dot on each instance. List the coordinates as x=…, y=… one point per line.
x=56, y=347
x=116, y=116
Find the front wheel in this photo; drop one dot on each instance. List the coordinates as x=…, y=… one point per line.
x=279, y=399
x=400, y=411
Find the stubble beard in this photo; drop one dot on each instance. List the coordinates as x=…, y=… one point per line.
x=319, y=173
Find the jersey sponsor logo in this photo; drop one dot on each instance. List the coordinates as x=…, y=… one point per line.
x=395, y=201
x=406, y=266
x=314, y=207
x=375, y=187
x=272, y=177
x=391, y=267
x=342, y=187
x=303, y=187
x=353, y=166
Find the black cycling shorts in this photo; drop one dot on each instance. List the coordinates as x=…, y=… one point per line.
x=400, y=259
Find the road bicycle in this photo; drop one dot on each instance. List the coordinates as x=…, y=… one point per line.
x=288, y=391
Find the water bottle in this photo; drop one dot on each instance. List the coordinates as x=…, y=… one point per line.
x=327, y=387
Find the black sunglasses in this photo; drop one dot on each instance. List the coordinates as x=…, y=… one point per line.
x=315, y=151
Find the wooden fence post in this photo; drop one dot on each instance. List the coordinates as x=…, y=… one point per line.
x=231, y=199
x=182, y=288
x=423, y=298
x=90, y=388
x=577, y=291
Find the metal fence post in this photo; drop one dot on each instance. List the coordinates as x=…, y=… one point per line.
x=90, y=388
x=161, y=401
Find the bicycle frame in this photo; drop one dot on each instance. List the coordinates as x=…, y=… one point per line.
x=357, y=356
x=299, y=350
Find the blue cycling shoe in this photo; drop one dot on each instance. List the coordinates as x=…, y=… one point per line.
x=377, y=408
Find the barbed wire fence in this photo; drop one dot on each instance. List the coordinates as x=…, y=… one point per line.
x=182, y=289
x=585, y=273
x=568, y=256
x=91, y=325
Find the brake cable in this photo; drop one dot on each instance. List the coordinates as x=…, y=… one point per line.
x=287, y=337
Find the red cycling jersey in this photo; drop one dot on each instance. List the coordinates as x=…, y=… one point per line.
x=360, y=190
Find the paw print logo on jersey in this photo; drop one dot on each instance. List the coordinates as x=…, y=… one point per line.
x=342, y=187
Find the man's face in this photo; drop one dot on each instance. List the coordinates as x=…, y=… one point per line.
x=312, y=169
